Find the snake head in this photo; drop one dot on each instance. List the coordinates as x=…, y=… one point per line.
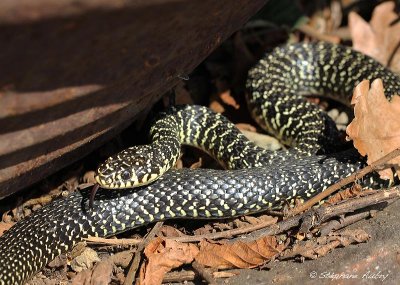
x=132, y=167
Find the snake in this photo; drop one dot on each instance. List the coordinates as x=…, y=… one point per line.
x=140, y=186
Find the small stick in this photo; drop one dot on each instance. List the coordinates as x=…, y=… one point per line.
x=189, y=275
x=359, y=174
x=113, y=242
x=225, y=234
x=325, y=213
x=130, y=277
x=205, y=273
x=338, y=224
x=272, y=228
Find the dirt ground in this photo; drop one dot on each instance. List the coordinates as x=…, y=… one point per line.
x=374, y=262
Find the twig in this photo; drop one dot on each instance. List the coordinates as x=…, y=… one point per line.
x=226, y=234
x=357, y=175
x=205, y=273
x=325, y=213
x=130, y=277
x=189, y=275
x=341, y=223
x=113, y=242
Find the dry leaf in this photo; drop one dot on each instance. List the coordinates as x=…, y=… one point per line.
x=345, y=194
x=83, y=278
x=168, y=231
x=100, y=275
x=102, y=272
x=378, y=38
x=162, y=256
x=239, y=254
x=222, y=226
x=85, y=260
x=375, y=129
x=206, y=229
x=59, y=261
x=321, y=246
x=122, y=258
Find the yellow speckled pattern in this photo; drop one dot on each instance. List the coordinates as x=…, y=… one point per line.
x=258, y=179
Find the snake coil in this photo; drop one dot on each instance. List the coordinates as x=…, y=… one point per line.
x=257, y=179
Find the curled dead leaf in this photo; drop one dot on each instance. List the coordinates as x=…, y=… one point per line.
x=239, y=254
x=375, y=129
x=162, y=256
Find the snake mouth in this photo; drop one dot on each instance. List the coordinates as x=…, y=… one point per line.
x=109, y=183
x=104, y=184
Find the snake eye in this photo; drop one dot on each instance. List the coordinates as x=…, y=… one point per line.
x=126, y=175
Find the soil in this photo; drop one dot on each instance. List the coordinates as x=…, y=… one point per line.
x=374, y=262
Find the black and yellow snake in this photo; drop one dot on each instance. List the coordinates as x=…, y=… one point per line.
x=257, y=179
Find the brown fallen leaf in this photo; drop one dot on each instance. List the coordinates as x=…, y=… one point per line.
x=222, y=226
x=206, y=229
x=351, y=192
x=83, y=278
x=375, y=129
x=59, y=261
x=100, y=274
x=239, y=254
x=378, y=38
x=122, y=258
x=162, y=256
x=168, y=231
x=85, y=260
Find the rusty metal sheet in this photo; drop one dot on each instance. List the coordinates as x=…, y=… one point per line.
x=73, y=73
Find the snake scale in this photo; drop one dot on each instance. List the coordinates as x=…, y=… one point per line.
x=257, y=180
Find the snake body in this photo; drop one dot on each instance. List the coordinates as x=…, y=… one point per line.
x=258, y=179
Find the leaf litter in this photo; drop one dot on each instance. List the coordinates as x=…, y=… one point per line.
x=375, y=130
